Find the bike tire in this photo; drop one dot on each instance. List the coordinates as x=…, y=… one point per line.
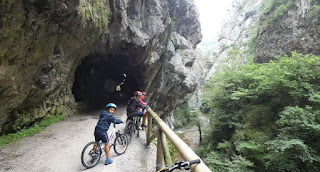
x=120, y=144
x=90, y=156
x=129, y=129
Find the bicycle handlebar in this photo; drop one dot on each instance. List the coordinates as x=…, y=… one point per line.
x=114, y=124
x=196, y=161
x=182, y=165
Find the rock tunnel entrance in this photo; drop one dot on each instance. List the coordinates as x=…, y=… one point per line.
x=97, y=78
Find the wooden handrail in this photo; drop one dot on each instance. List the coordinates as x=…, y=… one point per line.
x=184, y=150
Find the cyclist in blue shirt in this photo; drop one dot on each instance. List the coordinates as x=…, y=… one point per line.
x=100, y=132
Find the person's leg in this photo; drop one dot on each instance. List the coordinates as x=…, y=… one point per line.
x=142, y=114
x=144, y=118
x=138, y=115
x=107, y=150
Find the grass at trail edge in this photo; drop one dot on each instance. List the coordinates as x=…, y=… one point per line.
x=36, y=128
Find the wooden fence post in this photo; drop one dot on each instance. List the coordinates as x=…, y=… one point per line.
x=159, y=152
x=165, y=149
x=149, y=130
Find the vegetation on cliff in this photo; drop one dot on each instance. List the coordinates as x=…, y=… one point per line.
x=264, y=117
x=41, y=44
x=36, y=128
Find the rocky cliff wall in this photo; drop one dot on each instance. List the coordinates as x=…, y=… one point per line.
x=235, y=39
x=285, y=26
x=259, y=30
x=43, y=43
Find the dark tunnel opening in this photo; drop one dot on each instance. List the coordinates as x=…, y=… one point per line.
x=97, y=78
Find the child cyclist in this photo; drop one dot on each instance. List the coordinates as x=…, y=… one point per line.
x=100, y=132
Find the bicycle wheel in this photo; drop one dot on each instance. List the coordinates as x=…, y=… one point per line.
x=90, y=155
x=120, y=144
x=129, y=129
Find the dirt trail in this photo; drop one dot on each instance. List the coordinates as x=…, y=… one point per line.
x=58, y=149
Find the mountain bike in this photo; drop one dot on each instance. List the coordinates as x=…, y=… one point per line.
x=132, y=127
x=93, y=151
x=182, y=165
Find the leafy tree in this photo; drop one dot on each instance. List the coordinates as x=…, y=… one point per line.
x=266, y=113
x=296, y=147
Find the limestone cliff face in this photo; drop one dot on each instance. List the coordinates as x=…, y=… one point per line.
x=235, y=39
x=287, y=26
x=259, y=30
x=52, y=51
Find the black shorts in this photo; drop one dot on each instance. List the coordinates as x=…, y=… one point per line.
x=101, y=135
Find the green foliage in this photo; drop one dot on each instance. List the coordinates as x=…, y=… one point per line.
x=219, y=163
x=266, y=113
x=314, y=13
x=184, y=117
x=253, y=39
x=279, y=11
x=36, y=128
x=269, y=5
x=173, y=22
x=97, y=14
x=296, y=146
x=172, y=149
x=274, y=10
x=291, y=155
x=223, y=48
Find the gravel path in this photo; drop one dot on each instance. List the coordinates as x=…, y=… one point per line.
x=58, y=149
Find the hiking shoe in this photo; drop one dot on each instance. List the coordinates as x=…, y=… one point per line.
x=108, y=161
x=144, y=126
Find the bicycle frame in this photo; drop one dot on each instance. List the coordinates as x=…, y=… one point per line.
x=111, y=139
x=112, y=136
x=136, y=121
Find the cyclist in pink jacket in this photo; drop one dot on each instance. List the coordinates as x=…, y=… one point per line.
x=145, y=111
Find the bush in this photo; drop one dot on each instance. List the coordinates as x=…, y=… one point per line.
x=184, y=117
x=258, y=106
x=296, y=147
x=219, y=163
x=36, y=128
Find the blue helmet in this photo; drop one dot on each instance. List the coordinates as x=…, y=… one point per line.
x=111, y=105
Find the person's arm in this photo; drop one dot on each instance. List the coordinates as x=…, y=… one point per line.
x=138, y=104
x=142, y=102
x=115, y=120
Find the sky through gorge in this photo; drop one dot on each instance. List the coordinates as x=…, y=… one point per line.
x=211, y=15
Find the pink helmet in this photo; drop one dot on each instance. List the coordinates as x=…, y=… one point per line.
x=144, y=93
x=137, y=93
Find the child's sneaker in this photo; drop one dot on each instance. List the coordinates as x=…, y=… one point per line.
x=108, y=161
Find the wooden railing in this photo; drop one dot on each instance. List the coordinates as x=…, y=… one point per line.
x=163, y=155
